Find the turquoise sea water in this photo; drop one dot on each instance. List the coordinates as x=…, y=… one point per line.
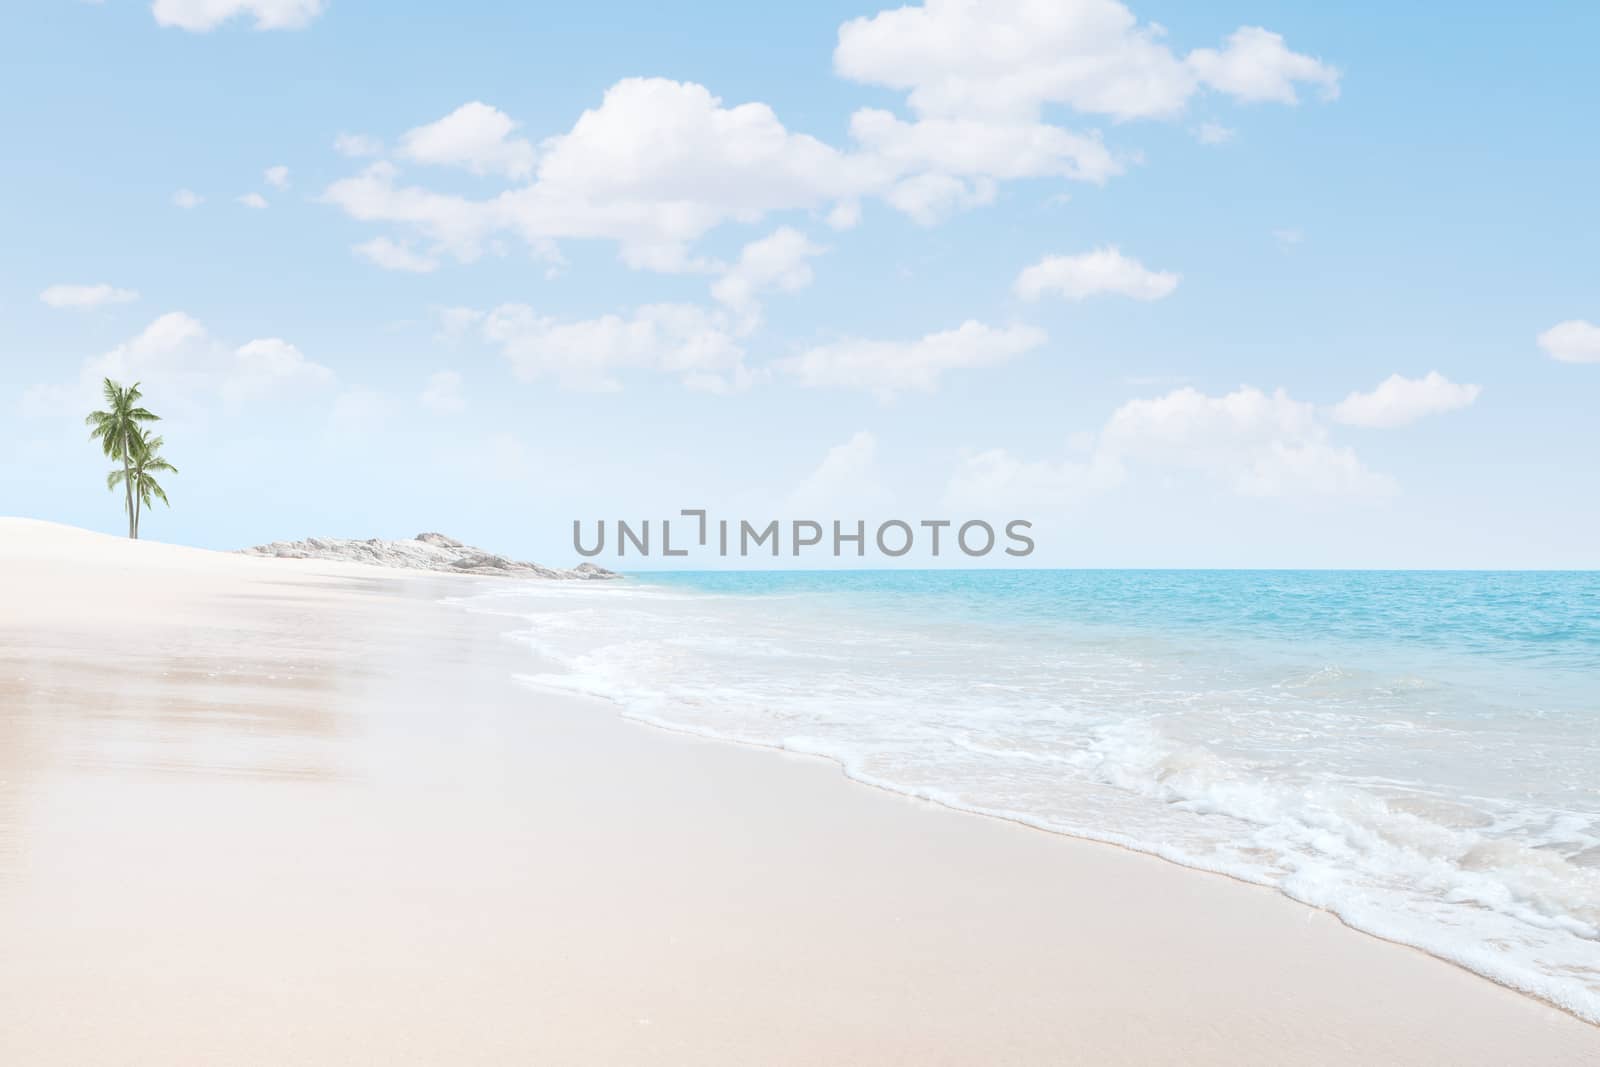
x=1417, y=752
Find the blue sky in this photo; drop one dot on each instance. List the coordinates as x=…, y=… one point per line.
x=1136, y=273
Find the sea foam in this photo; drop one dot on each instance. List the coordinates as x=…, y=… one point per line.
x=1417, y=753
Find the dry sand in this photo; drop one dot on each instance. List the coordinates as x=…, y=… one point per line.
x=275, y=811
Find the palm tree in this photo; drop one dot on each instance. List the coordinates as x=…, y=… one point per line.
x=145, y=460
x=116, y=429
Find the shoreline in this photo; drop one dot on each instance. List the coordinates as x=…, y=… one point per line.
x=531, y=875
x=1029, y=823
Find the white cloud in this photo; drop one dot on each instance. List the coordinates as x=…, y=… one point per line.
x=886, y=367
x=845, y=215
x=266, y=365
x=177, y=357
x=277, y=177
x=186, y=199
x=930, y=198
x=357, y=145
x=690, y=342
x=1102, y=271
x=1574, y=341
x=1249, y=442
x=475, y=136
x=1257, y=443
x=1257, y=66
x=84, y=297
x=659, y=164
x=1008, y=58
x=845, y=483
x=454, y=223
x=983, y=147
x=1399, y=401
x=201, y=16
x=442, y=395
x=392, y=255
x=1213, y=133
x=253, y=200
x=778, y=262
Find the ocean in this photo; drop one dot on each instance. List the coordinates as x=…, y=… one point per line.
x=1416, y=752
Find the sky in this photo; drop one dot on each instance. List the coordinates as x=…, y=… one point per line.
x=1243, y=284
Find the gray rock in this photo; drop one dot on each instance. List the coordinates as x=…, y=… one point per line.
x=425, y=552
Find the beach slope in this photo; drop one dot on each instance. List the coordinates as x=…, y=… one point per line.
x=266, y=811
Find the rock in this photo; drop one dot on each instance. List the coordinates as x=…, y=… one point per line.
x=425, y=552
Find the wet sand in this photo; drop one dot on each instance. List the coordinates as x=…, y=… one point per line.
x=270, y=811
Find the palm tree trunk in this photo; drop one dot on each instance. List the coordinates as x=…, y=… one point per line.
x=137, y=499
x=127, y=484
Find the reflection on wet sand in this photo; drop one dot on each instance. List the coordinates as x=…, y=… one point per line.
x=156, y=702
x=252, y=680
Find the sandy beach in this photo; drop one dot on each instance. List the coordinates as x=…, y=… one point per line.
x=283, y=811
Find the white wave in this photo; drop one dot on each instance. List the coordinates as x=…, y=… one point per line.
x=1385, y=798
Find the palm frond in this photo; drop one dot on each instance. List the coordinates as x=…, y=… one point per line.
x=149, y=487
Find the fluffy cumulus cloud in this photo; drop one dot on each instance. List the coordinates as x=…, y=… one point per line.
x=1576, y=341
x=201, y=16
x=86, y=297
x=1257, y=443
x=695, y=345
x=779, y=262
x=1398, y=401
x=654, y=167
x=454, y=224
x=253, y=200
x=442, y=395
x=1006, y=59
x=187, y=198
x=394, y=255
x=277, y=177
x=602, y=180
x=658, y=164
x=981, y=147
x=930, y=198
x=475, y=136
x=889, y=367
x=1102, y=271
x=1248, y=442
x=1256, y=65
x=178, y=357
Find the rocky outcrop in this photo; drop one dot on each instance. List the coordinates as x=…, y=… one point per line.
x=425, y=552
